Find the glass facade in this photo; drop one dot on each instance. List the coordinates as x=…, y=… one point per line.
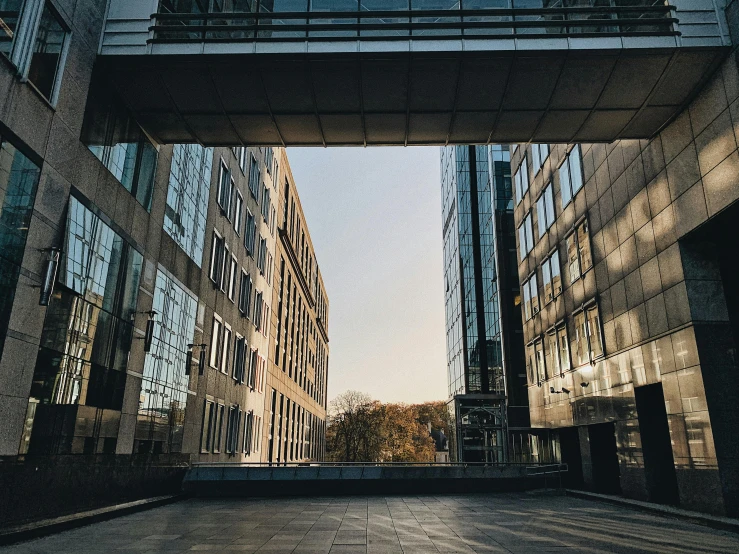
x=286, y=19
x=19, y=178
x=161, y=417
x=187, y=198
x=80, y=374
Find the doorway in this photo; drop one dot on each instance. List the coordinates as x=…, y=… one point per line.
x=604, y=458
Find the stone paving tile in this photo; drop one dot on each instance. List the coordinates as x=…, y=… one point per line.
x=494, y=524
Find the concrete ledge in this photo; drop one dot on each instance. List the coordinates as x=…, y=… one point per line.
x=44, y=527
x=716, y=522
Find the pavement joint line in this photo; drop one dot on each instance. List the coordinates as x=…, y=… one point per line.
x=45, y=527
x=721, y=523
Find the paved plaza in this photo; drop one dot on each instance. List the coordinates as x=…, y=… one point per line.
x=500, y=523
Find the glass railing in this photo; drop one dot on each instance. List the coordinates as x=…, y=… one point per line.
x=250, y=20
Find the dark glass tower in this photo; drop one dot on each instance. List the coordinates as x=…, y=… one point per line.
x=485, y=352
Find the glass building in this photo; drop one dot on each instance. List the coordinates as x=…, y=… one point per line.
x=485, y=353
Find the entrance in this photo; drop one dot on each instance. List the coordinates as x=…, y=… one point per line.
x=604, y=458
x=659, y=465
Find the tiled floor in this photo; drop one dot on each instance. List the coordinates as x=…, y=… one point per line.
x=516, y=523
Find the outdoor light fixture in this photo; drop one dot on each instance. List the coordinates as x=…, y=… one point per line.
x=566, y=391
x=52, y=264
x=583, y=385
x=201, y=358
x=563, y=391
x=149, y=333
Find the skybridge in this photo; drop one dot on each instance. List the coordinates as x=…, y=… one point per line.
x=408, y=72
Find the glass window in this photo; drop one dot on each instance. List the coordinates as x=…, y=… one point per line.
x=226, y=355
x=245, y=295
x=573, y=257
x=215, y=342
x=217, y=257
x=225, y=269
x=552, y=279
x=225, y=188
x=575, y=162
x=564, y=183
x=47, y=52
x=250, y=233
x=187, y=198
x=531, y=363
x=254, y=178
x=206, y=433
x=580, y=340
x=237, y=212
x=218, y=428
x=233, y=275
x=527, y=300
x=545, y=210
x=564, y=349
x=551, y=348
x=10, y=11
x=521, y=179
x=529, y=233
x=541, y=373
x=534, y=293
x=594, y=333
x=539, y=154
x=257, y=310
x=583, y=244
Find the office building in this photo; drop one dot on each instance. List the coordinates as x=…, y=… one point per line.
x=627, y=259
x=139, y=280
x=485, y=354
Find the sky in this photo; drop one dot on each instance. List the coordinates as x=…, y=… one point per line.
x=374, y=216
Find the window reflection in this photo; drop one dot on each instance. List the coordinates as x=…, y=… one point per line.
x=161, y=414
x=79, y=379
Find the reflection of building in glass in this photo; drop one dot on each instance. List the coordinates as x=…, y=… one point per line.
x=187, y=197
x=485, y=356
x=164, y=386
x=80, y=374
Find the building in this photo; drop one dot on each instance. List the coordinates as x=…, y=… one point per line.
x=298, y=363
x=141, y=282
x=627, y=259
x=485, y=354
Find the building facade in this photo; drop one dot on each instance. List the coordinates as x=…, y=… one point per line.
x=627, y=256
x=138, y=283
x=485, y=355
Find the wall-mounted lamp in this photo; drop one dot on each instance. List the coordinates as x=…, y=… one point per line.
x=52, y=264
x=563, y=391
x=584, y=385
x=149, y=333
x=201, y=358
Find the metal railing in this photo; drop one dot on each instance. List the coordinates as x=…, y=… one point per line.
x=543, y=466
x=417, y=24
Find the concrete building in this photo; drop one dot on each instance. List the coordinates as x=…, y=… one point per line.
x=485, y=354
x=628, y=255
x=139, y=301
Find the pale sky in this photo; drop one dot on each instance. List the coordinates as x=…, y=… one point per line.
x=374, y=216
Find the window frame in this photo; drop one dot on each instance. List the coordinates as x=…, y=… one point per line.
x=569, y=165
x=214, y=360
x=238, y=210
x=546, y=268
x=518, y=184
x=574, y=235
x=589, y=353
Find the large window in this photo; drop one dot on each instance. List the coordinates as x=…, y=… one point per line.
x=232, y=278
x=587, y=344
x=262, y=257
x=48, y=53
x=579, y=255
x=521, y=180
x=570, y=175
x=187, y=198
x=216, y=340
x=250, y=233
x=245, y=294
x=19, y=178
x=266, y=204
x=257, y=310
x=240, y=359
x=545, y=210
x=233, y=425
x=206, y=433
x=237, y=212
x=217, y=259
x=531, y=297
x=255, y=178
x=225, y=189
x=539, y=154
x=526, y=236
x=552, y=279
x=557, y=350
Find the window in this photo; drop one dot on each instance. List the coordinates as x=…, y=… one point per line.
x=587, y=344
x=237, y=212
x=225, y=189
x=557, y=350
x=217, y=259
x=245, y=294
x=233, y=275
x=226, y=355
x=226, y=279
x=206, y=432
x=531, y=297
x=250, y=233
x=552, y=279
x=272, y=220
x=257, y=310
x=266, y=204
x=248, y=432
x=240, y=153
x=541, y=372
x=526, y=236
x=539, y=154
x=262, y=258
x=570, y=175
x=545, y=210
x=521, y=180
x=48, y=54
x=253, y=367
x=579, y=255
x=218, y=428
x=239, y=366
x=232, y=429
x=268, y=158
x=268, y=272
x=215, y=342
x=265, y=316
x=254, y=178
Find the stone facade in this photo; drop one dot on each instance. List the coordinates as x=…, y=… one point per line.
x=659, y=348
